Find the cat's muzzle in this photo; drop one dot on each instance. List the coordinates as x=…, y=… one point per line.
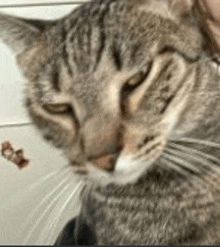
x=106, y=162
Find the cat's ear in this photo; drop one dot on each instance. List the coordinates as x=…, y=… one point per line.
x=20, y=34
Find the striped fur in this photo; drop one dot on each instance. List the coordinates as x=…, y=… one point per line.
x=132, y=78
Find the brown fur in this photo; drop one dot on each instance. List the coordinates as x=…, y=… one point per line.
x=140, y=80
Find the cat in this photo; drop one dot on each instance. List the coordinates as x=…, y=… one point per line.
x=129, y=90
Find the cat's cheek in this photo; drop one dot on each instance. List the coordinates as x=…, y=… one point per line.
x=74, y=154
x=129, y=170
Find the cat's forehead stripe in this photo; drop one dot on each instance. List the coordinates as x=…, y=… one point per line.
x=87, y=32
x=65, y=55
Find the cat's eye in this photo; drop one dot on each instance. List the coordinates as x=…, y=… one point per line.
x=133, y=83
x=136, y=80
x=58, y=108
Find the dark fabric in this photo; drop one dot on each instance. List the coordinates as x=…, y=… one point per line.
x=76, y=232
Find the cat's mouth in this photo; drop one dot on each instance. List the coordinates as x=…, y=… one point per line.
x=126, y=170
x=123, y=167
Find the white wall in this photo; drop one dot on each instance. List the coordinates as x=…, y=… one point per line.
x=16, y=206
x=38, y=2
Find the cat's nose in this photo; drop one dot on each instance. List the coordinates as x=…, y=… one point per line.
x=106, y=162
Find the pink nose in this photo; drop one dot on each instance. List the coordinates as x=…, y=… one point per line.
x=106, y=162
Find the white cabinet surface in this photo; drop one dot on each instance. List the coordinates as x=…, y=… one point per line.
x=29, y=214
x=39, y=2
x=41, y=12
x=27, y=196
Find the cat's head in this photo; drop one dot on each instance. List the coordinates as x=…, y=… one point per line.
x=107, y=83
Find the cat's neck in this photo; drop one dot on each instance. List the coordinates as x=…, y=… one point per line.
x=160, y=200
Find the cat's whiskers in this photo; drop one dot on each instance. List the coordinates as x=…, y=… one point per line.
x=49, y=206
x=213, y=162
x=174, y=166
x=213, y=173
x=45, y=200
x=195, y=182
x=178, y=157
x=209, y=177
x=50, y=228
x=196, y=141
x=148, y=148
x=16, y=199
x=205, y=93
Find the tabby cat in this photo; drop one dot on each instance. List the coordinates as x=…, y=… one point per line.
x=129, y=90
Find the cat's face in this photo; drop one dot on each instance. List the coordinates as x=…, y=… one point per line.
x=108, y=83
